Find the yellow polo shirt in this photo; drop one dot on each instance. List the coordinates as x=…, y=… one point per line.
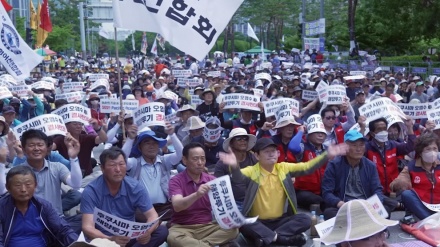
x=270, y=199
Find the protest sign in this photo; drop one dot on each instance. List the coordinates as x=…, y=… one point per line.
x=322, y=91
x=258, y=92
x=50, y=124
x=263, y=76
x=212, y=135
x=284, y=114
x=114, y=105
x=117, y=226
x=182, y=73
x=325, y=227
x=272, y=106
x=182, y=82
x=415, y=111
x=266, y=65
x=50, y=79
x=100, y=83
x=195, y=100
x=150, y=114
x=74, y=113
x=419, y=70
x=171, y=95
x=309, y=95
x=357, y=73
x=311, y=43
x=105, y=96
x=354, y=77
x=379, y=107
x=21, y=90
x=95, y=77
x=214, y=74
x=43, y=85
x=73, y=86
x=241, y=101
x=392, y=119
x=436, y=103
x=70, y=97
x=223, y=204
x=287, y=65
x=8, y=80
x=434, y=115
x=5, y=93
x=315, y=27
x=172, y=118
x=336, y=95
x=314, y=122
x=432, y=207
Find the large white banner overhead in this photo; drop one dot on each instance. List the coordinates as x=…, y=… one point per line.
x=17, y=57
x=190, y=25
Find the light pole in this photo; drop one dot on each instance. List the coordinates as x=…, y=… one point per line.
x=81, y=7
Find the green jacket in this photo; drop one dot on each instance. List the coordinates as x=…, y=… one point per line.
x=286, y=171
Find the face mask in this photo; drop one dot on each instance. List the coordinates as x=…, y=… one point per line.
x=381, y=136
x=94, y=102
x=244, y=122
x=429, y=156
x=337, y=113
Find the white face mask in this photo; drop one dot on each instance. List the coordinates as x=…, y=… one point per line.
x=94, y=102
x=337, y=113
x=429, y=156
x=381, y=136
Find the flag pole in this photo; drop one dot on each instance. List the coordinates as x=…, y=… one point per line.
x=118, y=67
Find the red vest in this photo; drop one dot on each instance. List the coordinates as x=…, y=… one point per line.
x=311, y=182
x=386, y=166
x=285, y=156
x=250, y=128
x=339, y=131
x=428, y=192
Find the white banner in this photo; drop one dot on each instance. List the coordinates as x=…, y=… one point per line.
x=120, y=227
x=182, y=73
x=214, y=73
x=380, y=107
x=99, y=83
x=415, y=111
x=5, y=93
x=150, y=114
x=21, y=91
x=70, y=97
x=191, y=26
x=354, y=77
x=336, y=95
x=181, y=82
x=73, y=86
x=43, y=85
x=172, y=117
x=195, y=100
x=241, y=101
x=322, y=91
x=434, y=115
x=95, y=77
x=8, y=80
x=264, y=76
x=356, y=73
x=212, y=135
x=114, y=105
x=258, y=92
x=315, y=27
x=309, y=95
x=50, y=124
x=272, y=106
x=325, y=227
x=223, y=204
x=74, y=113
x=15, y=55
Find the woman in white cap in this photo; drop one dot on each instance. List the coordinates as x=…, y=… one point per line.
x=357, y=224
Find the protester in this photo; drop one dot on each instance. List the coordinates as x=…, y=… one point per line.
x=416, y=181
x=209, y=107
x=269, y=187
x=192, y=223
x=335, y=131
x=119, y=195
x=184, y=113
x=357, y=224
x=28, y=219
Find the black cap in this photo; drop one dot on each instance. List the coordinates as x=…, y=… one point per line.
x=263, y=143
x=360, y=92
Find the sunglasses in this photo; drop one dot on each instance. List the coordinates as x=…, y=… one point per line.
x=332, y=118
x=241, y=138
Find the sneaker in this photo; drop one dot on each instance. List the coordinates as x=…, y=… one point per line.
x=297, y=240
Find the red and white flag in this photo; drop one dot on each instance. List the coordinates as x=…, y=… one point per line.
x=45, y=22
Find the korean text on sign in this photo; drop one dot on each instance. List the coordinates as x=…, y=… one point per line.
x=150, y=114
x=74, y=113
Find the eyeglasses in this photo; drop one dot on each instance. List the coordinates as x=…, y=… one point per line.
x=332, y=118
x=241, y=138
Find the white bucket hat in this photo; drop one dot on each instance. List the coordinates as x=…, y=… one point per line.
x=239, y=132
x=186, y=108
x=315, y=124
x=194, y=123
x=356, y=220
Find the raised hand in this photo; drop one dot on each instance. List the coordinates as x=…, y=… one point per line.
x=228, y=158
x=72, y=145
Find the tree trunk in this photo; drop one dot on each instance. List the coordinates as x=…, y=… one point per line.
x=352, y=4
x=232, y=37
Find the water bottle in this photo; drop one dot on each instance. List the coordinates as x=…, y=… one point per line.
x=313, y=232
